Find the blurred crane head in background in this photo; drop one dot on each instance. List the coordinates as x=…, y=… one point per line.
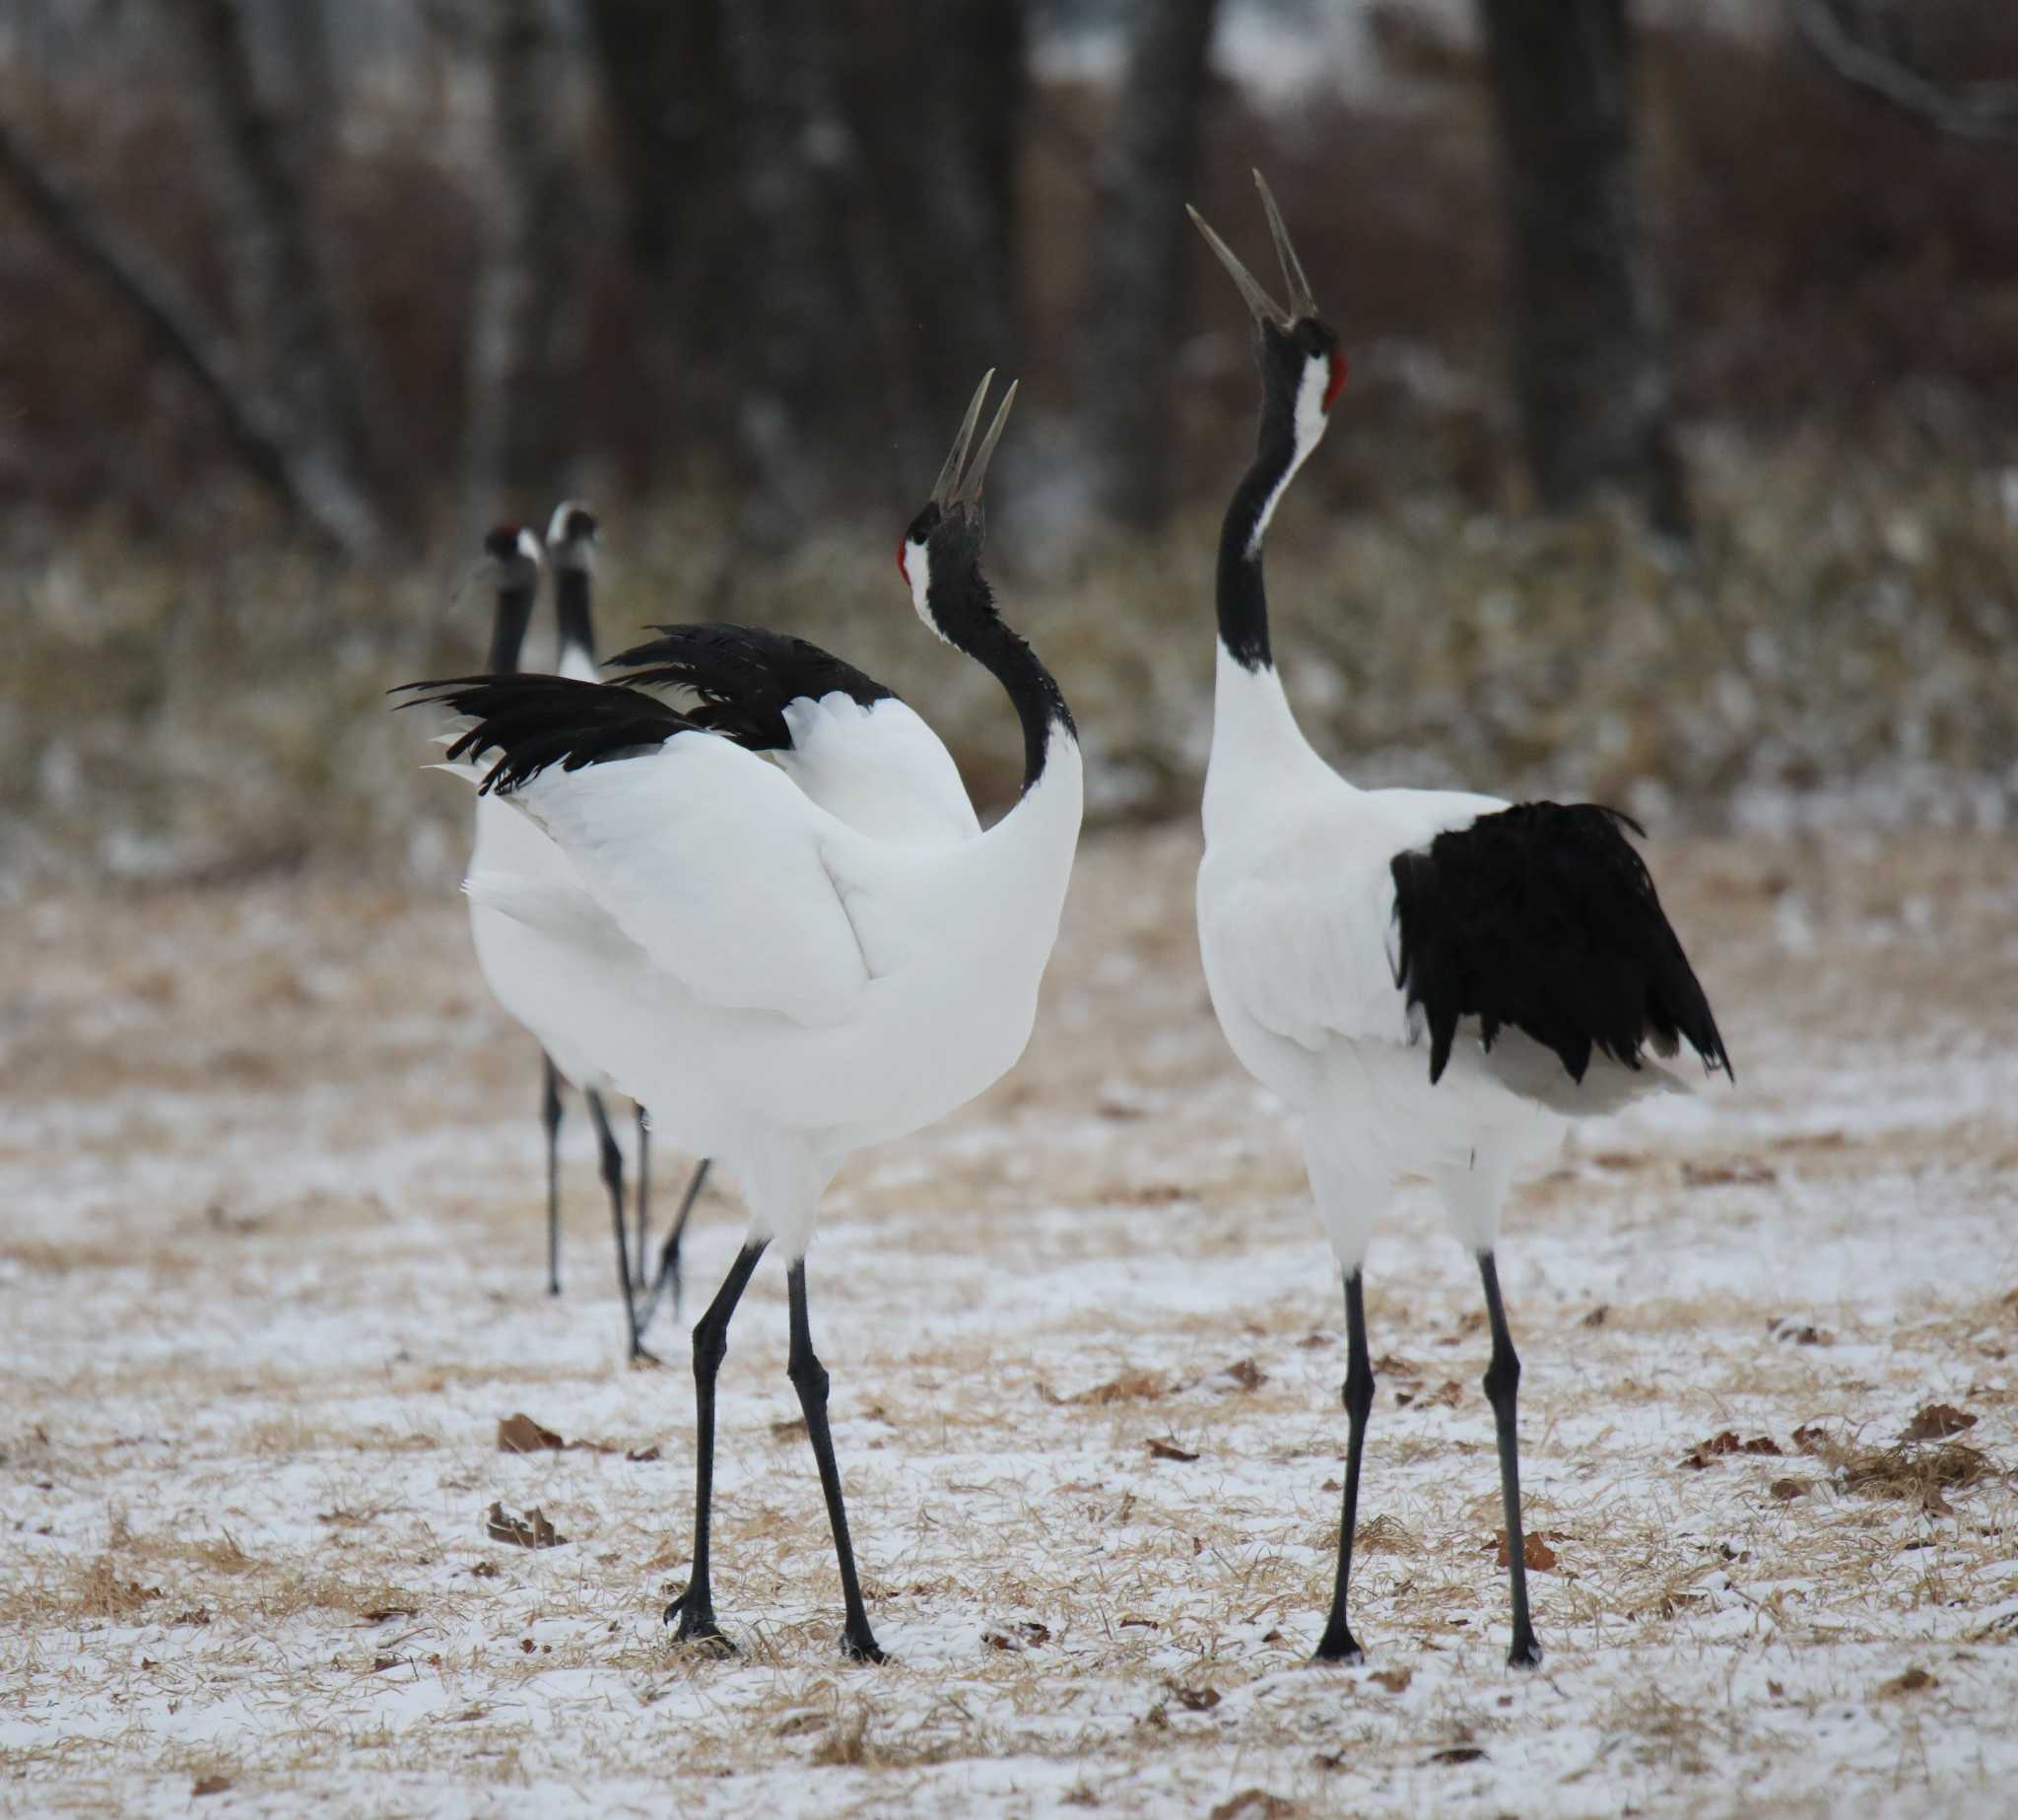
x=573, y=534
x=511, y=557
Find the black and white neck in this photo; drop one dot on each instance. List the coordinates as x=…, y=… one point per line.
x=516, y=556
x=572, y=538
x=1302, y=371
x=954, y=600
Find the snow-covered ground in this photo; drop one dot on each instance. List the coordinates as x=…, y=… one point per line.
x=271, y=1272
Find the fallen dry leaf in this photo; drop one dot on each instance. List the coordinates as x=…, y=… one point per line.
x=1254, y=1805
x=1784, y=1489
x=380, y=1663
x=1169, y=1449
x=532, y=1530
x=210, y=1785
x=1246, y=1374
x=1597, y=1317
x=1128, y=1388
x=1799, y=1333
x=1741, y=1171
x=1913, y=1681
x=639, y=1456
x=789, y=1427
x=380, y=1614
x=1726, y=1442
x=1534, y=1549
x=1194, y=1699
x=1936, y=1422
x=1458, y=1753
x=1394, y=1680
x=520, y=1434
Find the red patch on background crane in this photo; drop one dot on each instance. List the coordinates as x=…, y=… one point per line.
x=1337, y=380
x=902, y=568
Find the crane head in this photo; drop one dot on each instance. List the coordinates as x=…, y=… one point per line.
x=1302, y=364
x=573, y=534
x=514, y=555
x=943, y=543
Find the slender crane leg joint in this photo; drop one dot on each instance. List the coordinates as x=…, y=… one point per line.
x=694, y=1609
x=612, y=1156
x=550, y=1117
x=1502, y=1386
x=1338, y=1644
x=809, y=1377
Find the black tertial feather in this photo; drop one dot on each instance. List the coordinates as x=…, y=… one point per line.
x=1544, y=917
x=745, y=677
x=533, y=723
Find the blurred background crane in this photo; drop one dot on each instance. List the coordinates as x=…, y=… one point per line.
x=1682, y=447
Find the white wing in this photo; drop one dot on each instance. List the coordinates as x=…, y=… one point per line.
x=879, y=769
x=713, y=862
x=1299, y=931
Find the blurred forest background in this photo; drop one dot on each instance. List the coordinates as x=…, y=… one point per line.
x=1679, y=467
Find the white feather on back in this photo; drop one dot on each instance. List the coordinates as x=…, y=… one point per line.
x=710, y=861
x=879, y=767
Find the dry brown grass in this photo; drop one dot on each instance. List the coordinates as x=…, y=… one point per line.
x=263, y=1336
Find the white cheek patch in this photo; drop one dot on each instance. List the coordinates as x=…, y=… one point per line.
x=529, y=548
x=1310, y=414
x=1308, y=428
x=918, y=570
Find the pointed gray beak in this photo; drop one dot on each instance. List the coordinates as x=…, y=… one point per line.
x=958, y=482
x=948, y=483
x=1265, y=309
x=1301, y=302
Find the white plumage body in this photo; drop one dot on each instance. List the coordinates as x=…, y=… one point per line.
x=1297, y=929
x=776, y=987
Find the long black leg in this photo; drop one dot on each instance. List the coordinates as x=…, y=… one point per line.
x=550, y=1117
x=643, y=1192
x=613, y=1181
x=695, y=1607
x=1337, y=1644
x=809, y=1379
x=1503, y=1382
x=668, y=1275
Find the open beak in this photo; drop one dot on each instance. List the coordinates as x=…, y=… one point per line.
x=1265, y=309
x=959, y=483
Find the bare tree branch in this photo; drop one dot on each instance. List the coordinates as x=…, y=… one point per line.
x=282, y=298
x=255, y=427
x=1980, y=110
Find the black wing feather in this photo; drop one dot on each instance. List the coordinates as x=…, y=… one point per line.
x=534, y=722
x=1544, y=917
x=745, y=677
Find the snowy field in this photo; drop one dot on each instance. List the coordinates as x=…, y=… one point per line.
x=271, y=1272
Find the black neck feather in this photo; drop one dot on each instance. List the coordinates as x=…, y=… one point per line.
x=508, y=628
x=1243, y=595
x=571, y=598
x=966, y=615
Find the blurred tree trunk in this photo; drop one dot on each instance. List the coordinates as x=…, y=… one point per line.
x=824, y=374
x=262, y=433
x=518, y=345
x=314, y=96
x=674, y=130
x=947, y=152
x=1146, y=176
x=281, y=297
x=1592, y=373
